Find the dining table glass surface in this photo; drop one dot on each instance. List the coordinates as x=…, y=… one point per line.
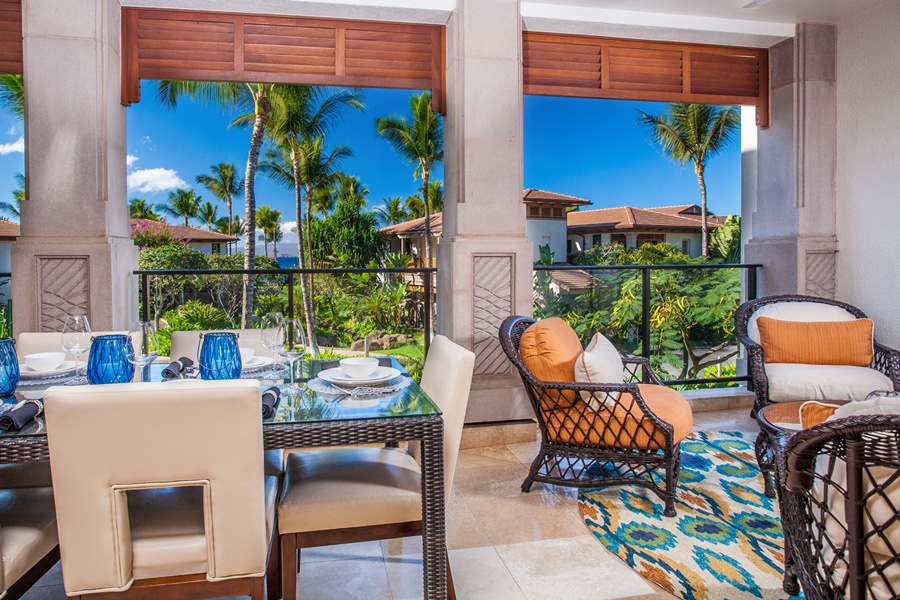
x=311, y=404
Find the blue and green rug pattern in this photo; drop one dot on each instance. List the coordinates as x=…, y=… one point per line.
x=726, y=542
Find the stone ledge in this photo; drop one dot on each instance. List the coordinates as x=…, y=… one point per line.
x=719, y=399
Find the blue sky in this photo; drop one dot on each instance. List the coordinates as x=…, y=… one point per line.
x=593, y=149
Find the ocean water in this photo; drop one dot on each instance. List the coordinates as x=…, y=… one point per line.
x=287, y=262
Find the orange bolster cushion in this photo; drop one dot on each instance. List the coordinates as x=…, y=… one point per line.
x=813, y=413
x=624, y=426
x=817, y=343
x=549, y=348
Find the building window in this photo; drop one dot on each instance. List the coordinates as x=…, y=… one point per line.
x=597, y=240
x=216, y=249
x=686, y=246
x=650, y=238
x=545, y=240
x=618, y=238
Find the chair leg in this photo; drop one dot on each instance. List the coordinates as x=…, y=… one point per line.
x=289, y=564
x=273, y=571
x=259, y=589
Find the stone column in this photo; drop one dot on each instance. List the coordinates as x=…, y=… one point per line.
x=793, y=225
x=75, y=253
x=484, y=256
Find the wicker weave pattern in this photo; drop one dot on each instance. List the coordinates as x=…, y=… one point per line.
x=856, y=460
x=428, y=429
x=581, y=447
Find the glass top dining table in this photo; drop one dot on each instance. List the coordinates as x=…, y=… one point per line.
x=314, y=418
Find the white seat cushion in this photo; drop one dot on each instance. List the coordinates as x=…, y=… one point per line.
x=27, y=529
x=349, y=487
x=789, y=381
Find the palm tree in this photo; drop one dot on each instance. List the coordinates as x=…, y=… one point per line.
x=415, y=208
x=324, y=200
x=255, y=100
x=182, y=204
x=14, y=209
x=693, y=133
x=392, y=212
x=208, y=215
x=223, y=184
x=419, y=141
x=269, y=220
x=351, y=189
x=12, y=95
x=141, y=209
x=236, y=227
x=436, y=195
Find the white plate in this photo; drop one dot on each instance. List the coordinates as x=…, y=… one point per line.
x=356, y=403
x=27, y=372
x=257, y=361
x=338, y=377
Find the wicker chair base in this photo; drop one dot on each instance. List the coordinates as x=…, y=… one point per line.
x=580, y=468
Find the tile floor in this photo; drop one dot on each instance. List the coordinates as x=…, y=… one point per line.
x=503, y=544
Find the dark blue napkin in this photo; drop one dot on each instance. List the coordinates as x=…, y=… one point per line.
x=270, y=399
x=16, y=418
x=177, y=368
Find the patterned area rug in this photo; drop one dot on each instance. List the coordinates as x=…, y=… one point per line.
x=725, y=543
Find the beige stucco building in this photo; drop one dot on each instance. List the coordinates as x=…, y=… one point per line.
x=820, y=183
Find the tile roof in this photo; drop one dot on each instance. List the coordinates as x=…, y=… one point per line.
x=9, y=230
x=190, y=234
x=543, y=196
x=416, y=227
x=671, y=218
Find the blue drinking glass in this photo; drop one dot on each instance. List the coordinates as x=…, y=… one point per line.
x=219, y=356
x=9, y=367
x=110, y=358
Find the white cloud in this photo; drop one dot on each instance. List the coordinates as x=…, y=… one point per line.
x=290, y=237
x=130, y=160
x=149, y=181
x=11, y=147
x=12, y=130
x=146, y=139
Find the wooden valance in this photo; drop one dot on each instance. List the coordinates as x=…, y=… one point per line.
x=216, y=46
x=595, y=67
x=11, y=37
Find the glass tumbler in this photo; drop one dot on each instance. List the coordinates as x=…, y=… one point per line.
x=219, y=356
x=110, y=359
x=9, y=367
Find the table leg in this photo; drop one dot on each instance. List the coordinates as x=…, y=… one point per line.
x=765, y=458
x=433, y=521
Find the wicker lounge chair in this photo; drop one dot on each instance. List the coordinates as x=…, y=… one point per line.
x=841, y=491
x=630, y=441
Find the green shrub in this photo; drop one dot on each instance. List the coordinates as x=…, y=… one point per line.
x=191, y=316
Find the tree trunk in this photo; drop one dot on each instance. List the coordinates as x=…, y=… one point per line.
x=428, y=247
x=256, y=139
x=308, y=308
x=230, y=220
x=704, y=226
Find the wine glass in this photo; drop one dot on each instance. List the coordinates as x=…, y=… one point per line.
x=148, y=346
x=270, y=336
x=76, y=337
x=293, y=345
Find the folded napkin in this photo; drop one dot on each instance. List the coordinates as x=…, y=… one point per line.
x=270, y=398
x=16, y=418
x=384, y=361
x=176, y=368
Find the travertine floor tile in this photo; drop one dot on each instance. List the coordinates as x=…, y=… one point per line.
x=526, y=517
x=486, y=456
x=525, y=451
x=491, y=481
x=360, y=579
x=363, y=550
x=725, y=420
x=570, y=569
x=479, y=574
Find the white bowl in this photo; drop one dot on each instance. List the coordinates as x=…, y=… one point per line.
x=359, y=367
x=246, y=354
x=44, y=361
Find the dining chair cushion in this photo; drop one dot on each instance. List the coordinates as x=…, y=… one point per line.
x=621, y=426
x=796, y=311
x=27, y=531
x=599, y=363
x=187, y=343
x=791, y=382
x=349, y=487
x=549, y=348
x=817, y=342
x=23, y=475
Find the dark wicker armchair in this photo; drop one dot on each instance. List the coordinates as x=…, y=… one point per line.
x=841, y=494
x=582, y=447
x=886, y=360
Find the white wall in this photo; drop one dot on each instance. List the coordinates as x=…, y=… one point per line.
x=538, y=229
x=868, y=167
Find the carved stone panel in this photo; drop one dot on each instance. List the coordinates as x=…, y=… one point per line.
x=64, y=285
x=493, y=302
x=820, y=274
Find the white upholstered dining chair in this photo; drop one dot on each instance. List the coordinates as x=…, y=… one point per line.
x=160, y=488
x=343, y=495
x=30, y=342
x=187, y=343
x=28, y=538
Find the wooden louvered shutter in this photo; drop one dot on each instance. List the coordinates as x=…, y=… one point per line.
x=11, y=36
x=210, y=46
x=594, y=67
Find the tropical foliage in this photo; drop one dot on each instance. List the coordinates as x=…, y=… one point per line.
x=182, y=204
x=226, y=185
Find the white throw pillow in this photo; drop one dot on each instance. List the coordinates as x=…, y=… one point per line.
x=599, y=363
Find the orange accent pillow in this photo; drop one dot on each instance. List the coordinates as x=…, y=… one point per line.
x=813, y=413
x=817, y=342
x=549, y=348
